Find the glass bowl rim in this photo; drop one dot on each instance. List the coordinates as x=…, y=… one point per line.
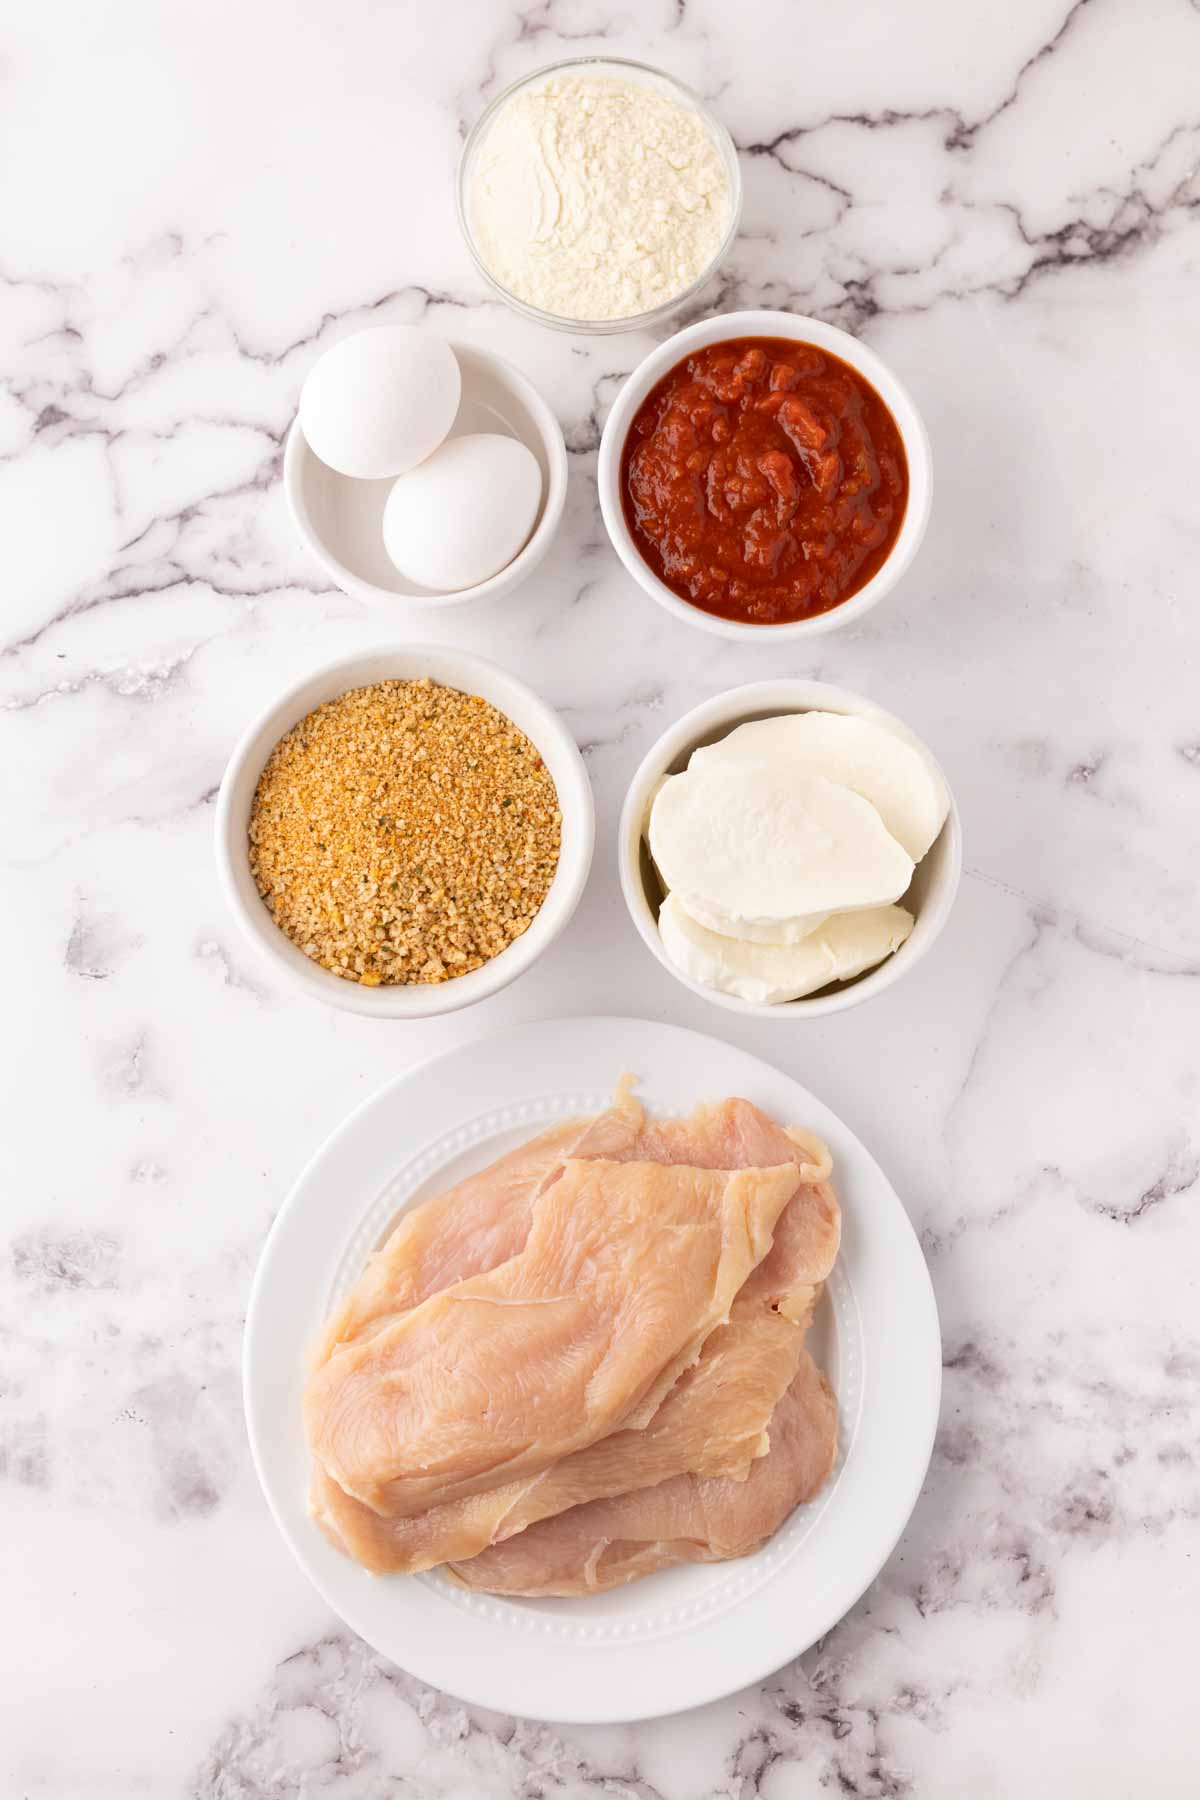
x=631, y=321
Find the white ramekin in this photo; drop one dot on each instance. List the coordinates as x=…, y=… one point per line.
x=896, y=397
x=406, y=662
x=929, y=899
x=340, y=519
x=619, y=68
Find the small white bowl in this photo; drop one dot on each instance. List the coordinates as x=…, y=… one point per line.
x=340, y=519
x=619, y=68
x=929, y=898
x=895, y=396
x=405, y=662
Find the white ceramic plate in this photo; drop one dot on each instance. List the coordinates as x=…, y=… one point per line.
x=684, y=1636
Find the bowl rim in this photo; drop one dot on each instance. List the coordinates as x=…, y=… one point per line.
x=633, y=321
x=471, y=673
x=523, y=564
x=769, y=322
x=754, y=700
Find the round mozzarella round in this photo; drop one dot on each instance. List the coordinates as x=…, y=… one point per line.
x=846, y=945
x=895, y=773
x=381, y=401
x=463, y=514
x=754, y=850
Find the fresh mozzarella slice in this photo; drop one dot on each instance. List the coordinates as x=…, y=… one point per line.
x=887, y=766
x=659, y=785
x=791, y=931
x=752, y=849
x=846, y=945
x=779, y=931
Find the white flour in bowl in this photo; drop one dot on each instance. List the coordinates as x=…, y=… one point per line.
x=595, y=198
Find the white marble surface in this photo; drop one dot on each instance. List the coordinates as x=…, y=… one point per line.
x=1003, y=201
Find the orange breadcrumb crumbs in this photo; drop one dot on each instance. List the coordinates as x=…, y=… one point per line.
x=404, y=832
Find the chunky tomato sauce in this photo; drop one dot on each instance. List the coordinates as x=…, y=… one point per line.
x=764, y=480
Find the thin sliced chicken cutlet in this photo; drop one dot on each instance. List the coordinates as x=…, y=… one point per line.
x=473, y=1226
x=713, y=1422
x=688, y=1519
x=729, y=1134
x=484, y=1220
x=626, y=1270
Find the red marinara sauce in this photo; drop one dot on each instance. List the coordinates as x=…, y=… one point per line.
x=764, y=480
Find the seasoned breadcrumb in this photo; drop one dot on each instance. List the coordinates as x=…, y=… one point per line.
x=404, y=832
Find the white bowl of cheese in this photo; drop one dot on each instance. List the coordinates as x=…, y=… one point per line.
x=837, y=916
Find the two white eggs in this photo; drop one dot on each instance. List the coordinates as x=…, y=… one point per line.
x=380, y=406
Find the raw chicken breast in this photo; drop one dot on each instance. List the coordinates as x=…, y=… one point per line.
x=475, y=1225
x=485, y=1219
x=608, y=1542
x=713, y=1422
x=626, y=1270
x=730, y=1134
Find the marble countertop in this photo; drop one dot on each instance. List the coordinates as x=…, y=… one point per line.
x=1004, y=203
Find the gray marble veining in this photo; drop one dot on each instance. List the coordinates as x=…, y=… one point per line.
x=1005, y=202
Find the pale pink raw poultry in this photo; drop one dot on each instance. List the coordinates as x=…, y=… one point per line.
x=473, y=1226
x=626, y=1270
x=484, y=1220
x=713, y=1422
x=688, y=1519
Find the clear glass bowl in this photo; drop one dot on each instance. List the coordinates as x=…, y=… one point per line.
x=624, y=69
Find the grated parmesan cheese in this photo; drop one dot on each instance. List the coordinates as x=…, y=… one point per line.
x=595, y=198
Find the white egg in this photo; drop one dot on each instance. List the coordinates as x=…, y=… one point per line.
x=463, y=514
x=381, y=401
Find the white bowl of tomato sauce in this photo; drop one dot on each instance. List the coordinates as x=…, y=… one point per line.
x=765, y=474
